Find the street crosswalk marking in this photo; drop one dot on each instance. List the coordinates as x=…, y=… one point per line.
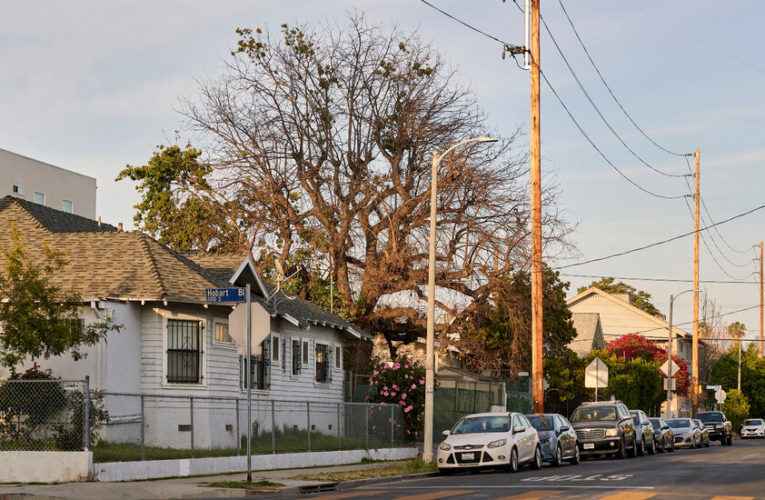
x=732, y=498
x=350, y=494
x=436, y=494
x=629, y=495
x=533, y=495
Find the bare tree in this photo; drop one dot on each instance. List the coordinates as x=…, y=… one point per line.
x=325, y=137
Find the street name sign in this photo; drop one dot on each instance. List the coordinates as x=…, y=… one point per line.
x=217, y=295
x=714, y=387
x=666, y=366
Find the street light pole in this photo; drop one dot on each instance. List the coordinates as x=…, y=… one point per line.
x=427, y=452
x=670, y=338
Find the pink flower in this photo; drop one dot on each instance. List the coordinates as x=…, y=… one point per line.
x=393, y=394
x=396, y=365
x=402, y=403
x=395, y=387
x=414, y=386
x=422, y=382
x=403, y=396
x=390, y=420
x=374, y=427
x=385, y=388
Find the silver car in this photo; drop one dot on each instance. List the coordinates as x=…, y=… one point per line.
x=686, y=433
x=753, y=428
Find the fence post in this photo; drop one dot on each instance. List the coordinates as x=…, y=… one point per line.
x=273, y=428
x=391, y=425
x=308, y=417
x=475, y=394
x=338, y=427
x=238, y=436
x=191, y=409
x=86, y=414
x=143, y=427
x=456, y=399
x=366, y=426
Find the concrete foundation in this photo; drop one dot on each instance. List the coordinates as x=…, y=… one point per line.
x=44, y=466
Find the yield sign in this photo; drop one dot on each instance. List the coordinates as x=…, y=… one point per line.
x=666, y=367
x=596, y=374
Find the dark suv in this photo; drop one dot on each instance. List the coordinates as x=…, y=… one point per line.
x=720, y=428
x=604, y=427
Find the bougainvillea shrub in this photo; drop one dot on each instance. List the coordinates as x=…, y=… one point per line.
x=402, y=383
x=634, y=346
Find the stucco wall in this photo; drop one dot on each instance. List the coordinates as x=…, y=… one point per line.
x=44, y=466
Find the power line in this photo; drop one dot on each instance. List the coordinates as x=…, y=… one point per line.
x=595, y=107
x=618, y=103
x=464, y=23
x=700, y=320
x=650, y=245
x=666, y=280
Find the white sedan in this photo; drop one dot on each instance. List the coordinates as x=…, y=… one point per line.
x=753, y=428
x=489, y=440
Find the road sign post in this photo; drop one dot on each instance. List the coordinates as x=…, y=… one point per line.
x=596, y=375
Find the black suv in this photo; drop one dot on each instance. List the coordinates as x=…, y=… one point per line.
x=720, y=428
x=604, y=427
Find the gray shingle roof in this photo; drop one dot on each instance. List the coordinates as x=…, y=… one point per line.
x=57, y=221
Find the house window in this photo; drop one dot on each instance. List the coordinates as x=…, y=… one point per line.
x=322, y=367
x=66, y=206
x=221, y=333
x=274, y=348
x=305, y=353
x=297, y=357
x=338, y=357
x=184, y=352
x=39, y=198
x=260, y=369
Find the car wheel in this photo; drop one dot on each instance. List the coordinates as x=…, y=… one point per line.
x=641, y=448
x=622, y=452
x=660, y=448
x=652, y=448
x=730, y=440
x=536, y=464
x=706, y=444
x=558, y=459
x=672, y=447
x=513, y=465
x=577, y=457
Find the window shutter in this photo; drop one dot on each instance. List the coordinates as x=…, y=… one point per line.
x=267, y=362
x=298, y=355
x=284, y=354
x=241, y=372
x=330, y=361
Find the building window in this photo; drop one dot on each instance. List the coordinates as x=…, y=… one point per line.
x=274, y=348
x=66, y=206
x=297, y=357
x=221, y=333
x=305, y=353
x=184, y=352
x=39, y=198
x=322, y=363
x=338, y=357
x=19, y=190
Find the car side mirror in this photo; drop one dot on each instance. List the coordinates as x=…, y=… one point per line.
x=565, y=428
x=445, y=433
x=518, y=428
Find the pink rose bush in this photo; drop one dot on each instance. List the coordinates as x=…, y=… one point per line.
x=401, y=383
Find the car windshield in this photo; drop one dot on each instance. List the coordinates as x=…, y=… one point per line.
x=594, y=414
x=655, y=422
x=753, y=421
x=680, y=422
x=635, y=419
x=476, y=425
x=710, y=417
x=541, y=422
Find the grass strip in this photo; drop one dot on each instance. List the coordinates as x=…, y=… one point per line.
x=263, y=484
x=400, y=468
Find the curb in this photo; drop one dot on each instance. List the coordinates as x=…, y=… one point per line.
x=345, y=485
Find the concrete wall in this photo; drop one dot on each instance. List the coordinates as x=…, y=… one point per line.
x=129, y=471
x=56, y=183
x=44, y=466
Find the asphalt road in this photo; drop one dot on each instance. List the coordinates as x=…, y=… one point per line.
x=735, y=472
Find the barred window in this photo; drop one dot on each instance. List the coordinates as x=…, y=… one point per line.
x=296, y=357
x=184, y=352
x=322, y=363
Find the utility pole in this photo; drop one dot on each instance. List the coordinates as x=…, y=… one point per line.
x=695, y=355
x=761, y=346
x=739, y=365
x=537, y=388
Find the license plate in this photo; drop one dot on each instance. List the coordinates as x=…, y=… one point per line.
x=588, y=446
x=468, y=456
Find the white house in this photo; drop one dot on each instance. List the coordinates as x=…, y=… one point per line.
x=173, y=346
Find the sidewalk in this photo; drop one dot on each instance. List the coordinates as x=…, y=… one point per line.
x=188, y=487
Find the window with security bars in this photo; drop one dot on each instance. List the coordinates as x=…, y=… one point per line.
x=322, y=363
x=296, y=357
x=184, y=352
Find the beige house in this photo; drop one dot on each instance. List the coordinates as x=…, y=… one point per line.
x=47, y=184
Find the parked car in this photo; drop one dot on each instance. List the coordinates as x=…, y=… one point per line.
x=704, y=432
x=490, y=440
x=644, y=432
x=663, y=437
x=720, y=428
x=556, y=437
x=753, y=428
x=687, y=435
x=604, y=427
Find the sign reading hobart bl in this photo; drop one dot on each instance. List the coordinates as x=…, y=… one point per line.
x=225, y=295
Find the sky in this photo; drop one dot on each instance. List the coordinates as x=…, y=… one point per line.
x=91, y=86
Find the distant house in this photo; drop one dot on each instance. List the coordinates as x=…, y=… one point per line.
x=589, y=333
x=174, y=344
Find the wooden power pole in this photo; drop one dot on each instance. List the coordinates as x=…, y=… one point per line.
x=695, y=382
x=761, y=340
x=537, y=387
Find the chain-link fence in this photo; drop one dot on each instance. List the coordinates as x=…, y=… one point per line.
x=455, y=398
x=43, y=415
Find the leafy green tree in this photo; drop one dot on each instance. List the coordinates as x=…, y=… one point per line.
x=37, y=318
x=636, y=382
x=725, y=372
x=736, y=408
x=638, y=298
x=494, y=332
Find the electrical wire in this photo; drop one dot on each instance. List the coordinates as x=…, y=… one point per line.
x=663, y=280
x=616, y=100
x=700, y=320
x=662, y=242
x=595, y=107
x=464, y=23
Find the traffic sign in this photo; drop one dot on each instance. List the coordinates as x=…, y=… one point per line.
x=665, y=368
x=721, y=396
x=596, y=374
x=714, y=387
x=674, y=383
x=215, y=295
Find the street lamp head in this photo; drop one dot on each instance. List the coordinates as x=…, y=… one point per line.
x=487, y=139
